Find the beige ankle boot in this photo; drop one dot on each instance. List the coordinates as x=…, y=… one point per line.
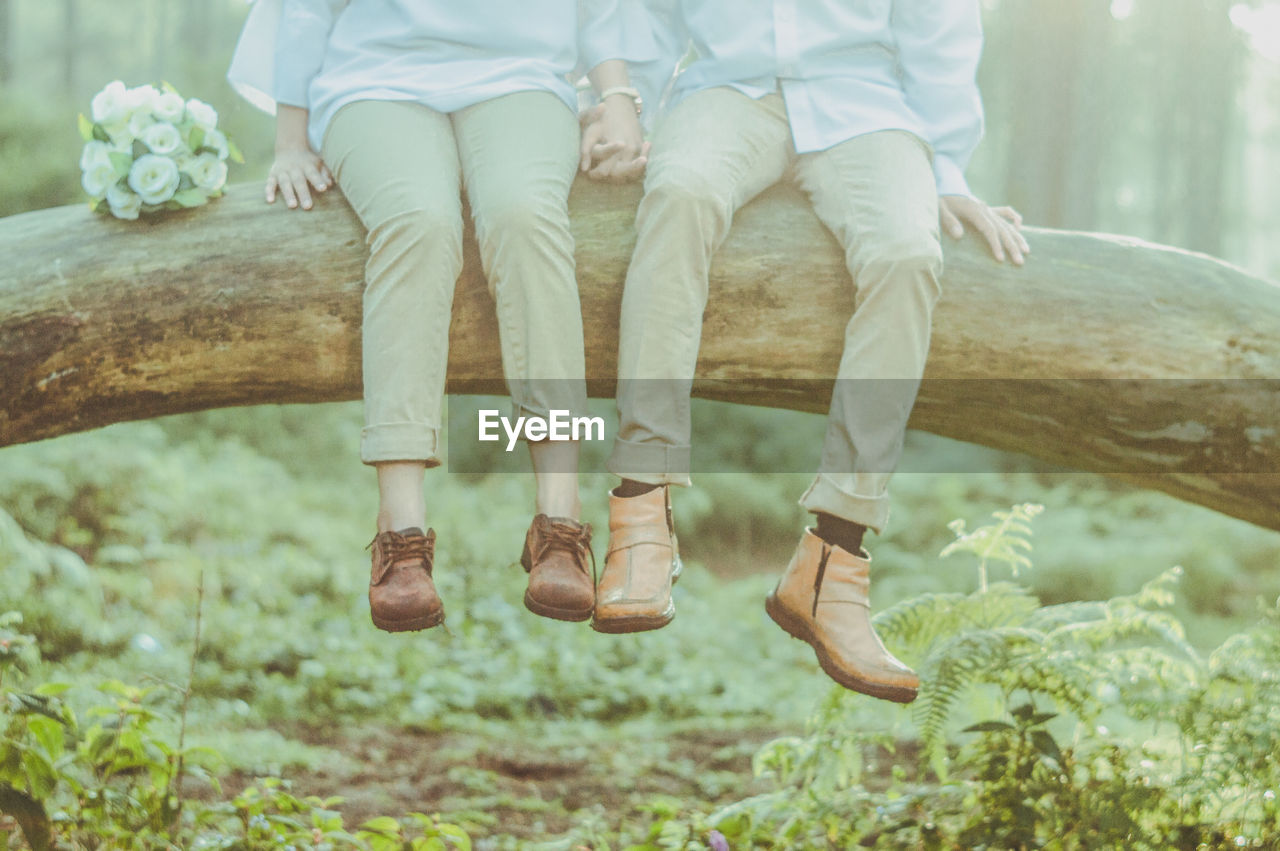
x=642, y=564
x=822, y=599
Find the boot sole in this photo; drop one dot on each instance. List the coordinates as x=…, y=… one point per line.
x=410, y=624
x=555, y=612
x=633, y=623
x=798, y=629
x=641, y=623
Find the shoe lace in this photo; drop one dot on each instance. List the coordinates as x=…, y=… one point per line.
x=393, y=547
x=571, y=539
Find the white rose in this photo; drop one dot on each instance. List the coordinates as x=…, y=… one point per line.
x=111, y=105
x=154, y=178
x=208, y=172
x=97, y=178
x=142, y=98
x=217, y=140
x=94, y=152
x=124, y=204
x=162, y=138
x=202, y=114
x=169, y=106
x=139, y=122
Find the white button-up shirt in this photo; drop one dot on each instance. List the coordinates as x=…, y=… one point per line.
x=844, y=67
x=441, y=53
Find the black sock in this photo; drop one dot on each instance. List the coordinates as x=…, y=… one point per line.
x=630, y=487
x=841, y=533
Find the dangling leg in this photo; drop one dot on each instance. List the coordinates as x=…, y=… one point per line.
x=398, y=167
x=519, y=158
x=713, y=153
x=876, y=193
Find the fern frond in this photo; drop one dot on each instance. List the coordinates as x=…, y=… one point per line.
x=969, y=658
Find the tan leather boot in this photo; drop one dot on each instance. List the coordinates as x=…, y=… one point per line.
x=402, y=596
x=642, y=564
x=556, y=551
x=822, y=599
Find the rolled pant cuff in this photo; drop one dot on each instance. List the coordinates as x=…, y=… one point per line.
x=651, y=463
x=575, y=407
x=400, y=442
x=871, y=511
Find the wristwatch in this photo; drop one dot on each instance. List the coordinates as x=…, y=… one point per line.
x=629, y=91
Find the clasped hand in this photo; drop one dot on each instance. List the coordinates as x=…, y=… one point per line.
x=613, y=147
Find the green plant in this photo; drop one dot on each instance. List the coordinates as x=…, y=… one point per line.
x=1042, y=766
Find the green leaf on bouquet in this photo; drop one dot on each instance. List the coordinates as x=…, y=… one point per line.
x=234, y=151
x=196, y=139
x=140, y=148
x=190, y=198
x=121, y=163
x=166, y=86
x=100, y=133
x=185, y=182
x=86, y=128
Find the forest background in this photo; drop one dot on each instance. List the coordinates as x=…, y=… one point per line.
x=1154, y=118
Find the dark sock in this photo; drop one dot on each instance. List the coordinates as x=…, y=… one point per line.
x=841, y=533
x=630, y=487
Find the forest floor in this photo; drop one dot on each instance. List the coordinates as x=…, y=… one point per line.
x=531, y=786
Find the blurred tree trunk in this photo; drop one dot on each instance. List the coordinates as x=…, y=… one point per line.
x=70, y=44
x=1213, y=79
x=1053, y=153
x=6, y=43
x=160, y=44
x=197, y=33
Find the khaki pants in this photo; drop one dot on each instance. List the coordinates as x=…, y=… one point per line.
x=402, y=167
x=716, y=151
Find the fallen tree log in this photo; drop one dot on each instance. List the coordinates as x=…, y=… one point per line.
x=1103, y=354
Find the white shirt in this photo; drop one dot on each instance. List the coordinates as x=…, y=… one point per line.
x=441, y=53
x=844, y=67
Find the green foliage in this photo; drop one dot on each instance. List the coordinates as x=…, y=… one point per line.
x=1040, y=770
x=110, y=777
x=102, y=536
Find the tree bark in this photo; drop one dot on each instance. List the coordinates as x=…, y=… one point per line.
x=1104, y=353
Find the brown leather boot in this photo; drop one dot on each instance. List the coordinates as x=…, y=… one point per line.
x=402, y=597
x=642, y=564
x=822, y=599
x=555, y=556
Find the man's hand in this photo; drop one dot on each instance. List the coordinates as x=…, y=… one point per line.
x=1001, y=226
x=293, y=173
x=613, y=147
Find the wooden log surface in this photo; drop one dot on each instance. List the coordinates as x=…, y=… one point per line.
x=1104, y=353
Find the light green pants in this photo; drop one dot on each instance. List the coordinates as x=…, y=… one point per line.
x=402, y=167
x=712, y=154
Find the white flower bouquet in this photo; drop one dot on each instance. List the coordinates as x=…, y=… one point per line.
x=147, y=149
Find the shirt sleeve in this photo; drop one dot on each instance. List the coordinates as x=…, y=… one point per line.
x=252, y=69
x=301, y=41
x=600, y=29
x=659, y=40
x=939, y=44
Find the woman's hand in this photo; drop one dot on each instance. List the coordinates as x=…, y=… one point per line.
x=613, y=147
x=297, y=168
x=294, y=173
x=1001, y=226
